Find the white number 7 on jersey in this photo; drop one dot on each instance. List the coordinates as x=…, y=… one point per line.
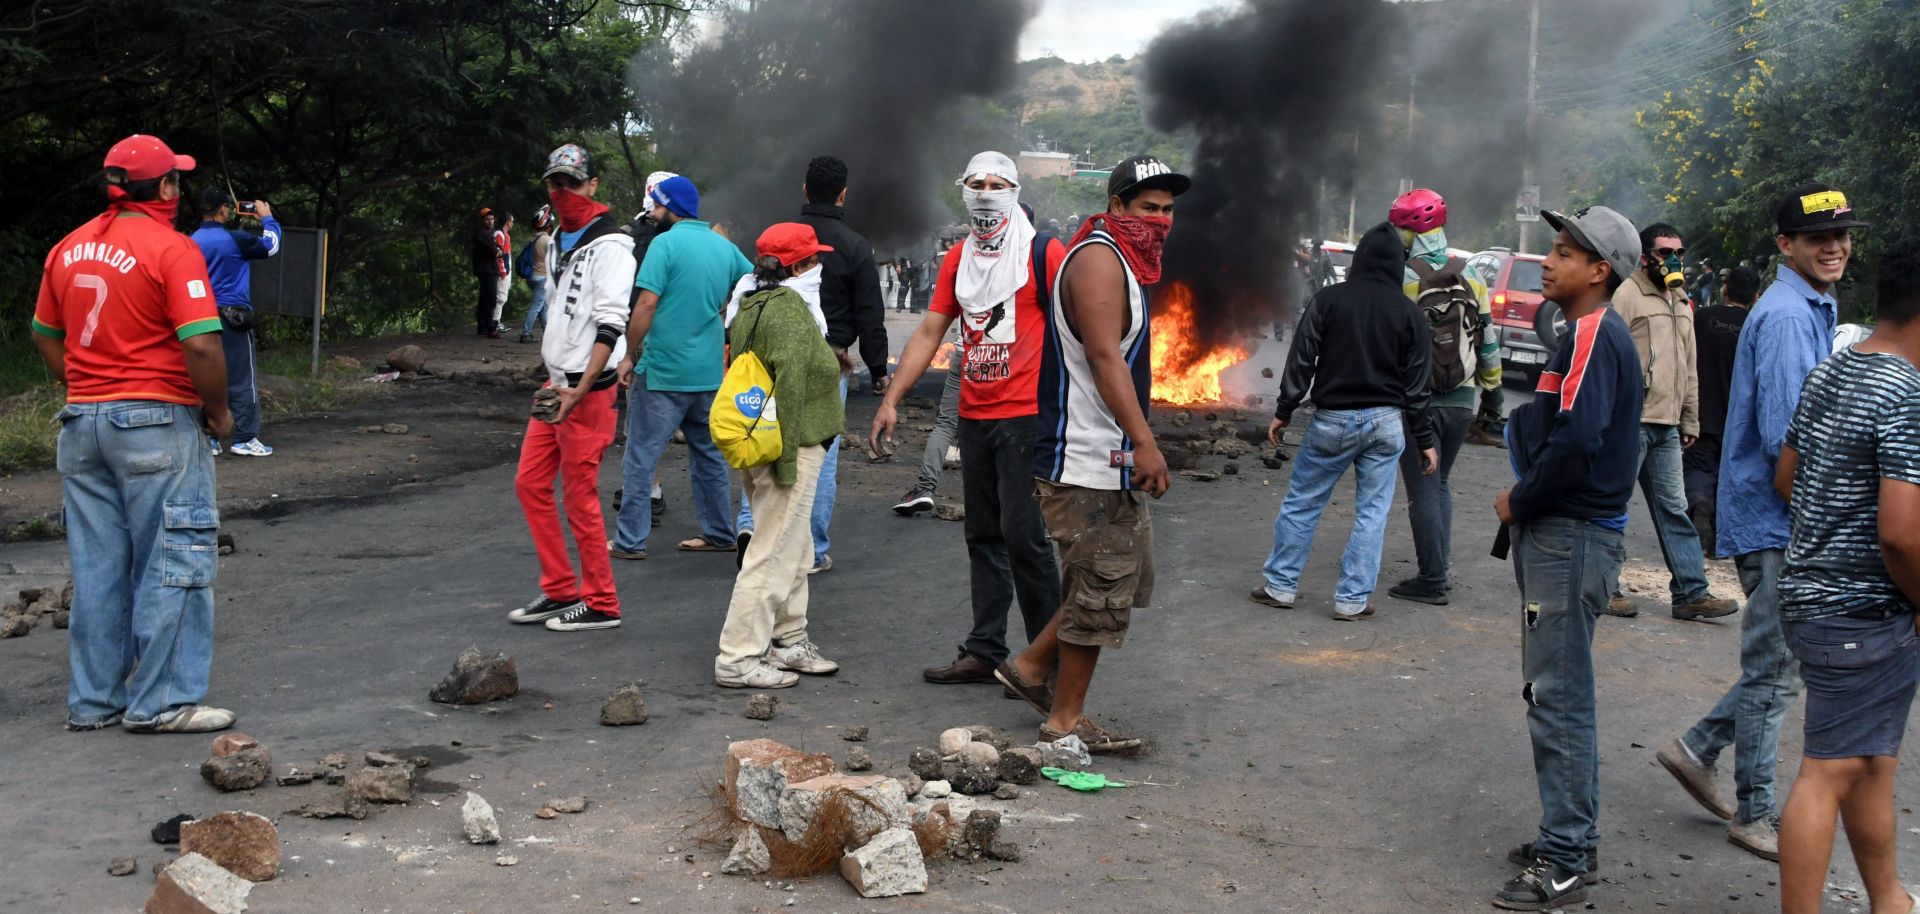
x=99, y=286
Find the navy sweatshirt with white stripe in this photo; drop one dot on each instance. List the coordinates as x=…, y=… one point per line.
x=1576, y=446
x=227, y=252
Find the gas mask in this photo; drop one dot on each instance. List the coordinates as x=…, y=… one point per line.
x=1670, y=273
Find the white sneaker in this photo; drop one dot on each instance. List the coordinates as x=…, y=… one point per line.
x=214, y=445
x=190, y=719
x=761, y=675
x=251, y=448
x=802, y=657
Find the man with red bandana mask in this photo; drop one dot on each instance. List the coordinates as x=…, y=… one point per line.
x=591, y=265
x=1095, y=459
x=126, y=320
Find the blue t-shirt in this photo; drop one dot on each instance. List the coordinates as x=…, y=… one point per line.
x=693, y=270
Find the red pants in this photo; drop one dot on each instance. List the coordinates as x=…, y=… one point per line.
x=573, y=450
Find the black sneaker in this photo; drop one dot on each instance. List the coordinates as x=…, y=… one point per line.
x=619, y=497
x=582, y=618
x=659, y=507
x=1419, y=592
x=543, y=609
x=740, y=541
x=917, y=500
x=1542, y=886
x=1524, y=856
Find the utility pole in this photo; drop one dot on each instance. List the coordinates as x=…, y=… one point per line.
x=1352, y=183
x=1527, y=176
x=1406, y=183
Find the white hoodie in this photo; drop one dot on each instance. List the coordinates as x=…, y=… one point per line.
x=807, y=284
x=589, y=292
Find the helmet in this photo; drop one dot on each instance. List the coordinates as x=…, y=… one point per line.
x=1420, y=210
x=542, y=217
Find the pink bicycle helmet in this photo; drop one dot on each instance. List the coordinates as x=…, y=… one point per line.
x=1419, y=210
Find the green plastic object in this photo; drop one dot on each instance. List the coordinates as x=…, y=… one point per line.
x=1083, y=781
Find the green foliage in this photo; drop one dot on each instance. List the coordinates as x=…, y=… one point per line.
x=28, y=431
x=1106, y=135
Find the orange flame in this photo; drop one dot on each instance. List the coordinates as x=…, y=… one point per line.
x=943, y=357
x=1184, y=370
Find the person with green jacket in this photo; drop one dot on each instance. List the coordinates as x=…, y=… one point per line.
x=764, y=643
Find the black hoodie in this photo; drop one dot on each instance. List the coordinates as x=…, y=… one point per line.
x=1362, y=344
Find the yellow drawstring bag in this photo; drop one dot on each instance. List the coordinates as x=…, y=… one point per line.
x=742, y=420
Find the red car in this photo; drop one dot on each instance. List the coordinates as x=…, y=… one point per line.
x=1513, y=283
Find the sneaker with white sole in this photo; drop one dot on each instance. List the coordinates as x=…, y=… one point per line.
x=917, y=500
x=190, y=719
x=802, y=657
x=824, y=565
x=542, y=609
x=214, y=445
x=582, y=618
x=1699, y=779
x=1542, y=886
x=1761, y=837
x=761, y=675
x=251, y=447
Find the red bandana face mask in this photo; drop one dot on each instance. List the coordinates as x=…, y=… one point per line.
x=574, y=210
x=161, y=211
x=1141, y=240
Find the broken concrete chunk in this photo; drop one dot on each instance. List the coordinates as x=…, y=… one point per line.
x=952, y=740
x=947, y=510
x=1003, y=850
x=382, y=785
x=382, y=760
x=992, y=736
x=876, y=804
x=859, y=759
x=293, y=776
x=1006, y=792
x=242, y=770
x=888, y=865
x=972, y=779
x=568, y=805
x=935, y=790
x=14, y=625
x=122, y=866
x=335, y=760
x=228, y=743
x=980, y=830
x=749, y=856
x=926, y=763
x=478, y=678
x=478, y=821
x=758, y=772
x=911, y=783
x=854, y=734
x=195, y=885
x=761, y=707
x=243, y=843
x=625, y=707
x=342, y=805
x=1021, y=765
x=981, y=755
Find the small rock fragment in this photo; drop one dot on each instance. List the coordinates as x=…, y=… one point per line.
x=911, y=783
x=1181, y=419
x=343, y=805
x=981, y=829
x=951, y=740
x=478, y=678
x=925, y=763
x=420, y=762
x=568, y=805
x=934, y=790
x=122, y=866
x=225, y=544
x=14, y=625
x=625, y=707
x=888, y=865
x=1006, y=792
x=1004, y=851
x=859, y=759
x=761, y=707
x=408, y=358
x=854, y=734
x=382, y=785
x=293, y=776
x=971, y=779
x=478, y=821
x=335, y=760
x=544, y=813
x=1231, y=469
x=382, y=760
x=947, y=510
x=228, y=743
x=749, y=856
x=243, y=843
x=394, y=428
x=980, y=755
x=242, y=770
x=992, y=736
x=1020, y=765
x=168, y=832
x=195, y=885
x=505, y=860
x=1200, y=475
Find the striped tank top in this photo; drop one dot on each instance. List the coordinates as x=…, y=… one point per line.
x=1077, y=441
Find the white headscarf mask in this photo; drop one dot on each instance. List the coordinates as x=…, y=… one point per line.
x=993, y=262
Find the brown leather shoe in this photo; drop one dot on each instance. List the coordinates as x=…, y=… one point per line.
x=964, y=668
x=1040, y=696
x=1098, y=740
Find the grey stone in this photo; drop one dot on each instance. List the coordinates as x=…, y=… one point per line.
x=1003, y=850
x=407, y=358
x=478, y=678
x=954, y=739
x=1006, y=792
x=383, y=760
x=478, y=821
x=1021, y=765
x=293, y=776
x=568, y=805
x=335, y=760
x=749, y=856
x=979, y=755
x=382, y=785
x=926, y=763
x=878, y=803
x=999, y=739
x=226, y=544
x=61, y=618
x=1181, y=419
x=758, y=772
x=1063, y=760
x=123, y=866
x=911, y=783
x=947, y=510
x=972, y=779
x=886, y=866
x=625, y=707
x=936, y=790
x=1231, y=469
x=195, y=885
x=1231, y=447
x=978, y=833
x=343, y=805
x=854, y=734
x=15, y=625
x=761, y=707
x=243, y=770
x=859, y=759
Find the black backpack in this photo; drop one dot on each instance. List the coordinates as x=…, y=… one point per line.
x=1452, y=311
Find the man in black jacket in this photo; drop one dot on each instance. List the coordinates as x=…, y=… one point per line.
x=486, y=271
x=850, y=289
x=1378, y=353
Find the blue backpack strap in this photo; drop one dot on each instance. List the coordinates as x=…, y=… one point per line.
x=1043, y=283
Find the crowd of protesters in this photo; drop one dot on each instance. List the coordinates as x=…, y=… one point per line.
x=1751, y=434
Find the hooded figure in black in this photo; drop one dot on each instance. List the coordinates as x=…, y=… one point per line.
x=1361, y=344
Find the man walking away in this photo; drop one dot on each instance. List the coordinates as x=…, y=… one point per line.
x=1575, y=448
x=485, y=253
x=227, y=251
x=126, y=320
x=1095, y=457
x=1656, y=311
x=1851, y=466
x=995, y=283
x=592, y=267
x=850, y=299
x=541, y=244
x=1716, y=337
x=676, y=345
x=1364, y=353
x=1464, y=369
x=1789, y=333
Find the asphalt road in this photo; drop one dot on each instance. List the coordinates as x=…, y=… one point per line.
x=1299, y=764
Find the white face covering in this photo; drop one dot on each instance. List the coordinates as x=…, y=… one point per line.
x=993, y=264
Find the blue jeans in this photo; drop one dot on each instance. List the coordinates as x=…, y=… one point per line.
x=823, y=496
x=652, y=416
x=1430, y=497
x=137, y=485
x=537, y=311
x=1663, y=482
x=1563, y=567
x=243, y=400
x=1750, y=715
x=1370, y=441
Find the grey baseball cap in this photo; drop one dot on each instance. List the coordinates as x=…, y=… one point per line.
x=1604, y=232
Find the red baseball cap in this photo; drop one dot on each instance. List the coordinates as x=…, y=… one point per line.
x=792, y=242
x=145, y=158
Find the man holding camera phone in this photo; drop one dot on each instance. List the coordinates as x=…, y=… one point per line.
x=227, y=251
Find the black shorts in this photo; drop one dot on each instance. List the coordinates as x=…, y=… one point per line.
x=1860, y=676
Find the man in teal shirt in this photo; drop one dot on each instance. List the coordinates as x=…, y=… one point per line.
x=677, y=336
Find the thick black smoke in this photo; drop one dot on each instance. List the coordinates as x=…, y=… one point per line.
x=894, y=87
x=1270, y=93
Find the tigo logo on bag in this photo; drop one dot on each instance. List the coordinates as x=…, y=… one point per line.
x=751, y=402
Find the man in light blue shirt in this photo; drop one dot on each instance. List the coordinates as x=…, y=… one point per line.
x=1789, y=333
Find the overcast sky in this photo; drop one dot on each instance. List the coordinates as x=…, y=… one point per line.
x=1085, y=30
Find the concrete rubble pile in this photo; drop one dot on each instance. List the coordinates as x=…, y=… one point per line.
x=34, y=606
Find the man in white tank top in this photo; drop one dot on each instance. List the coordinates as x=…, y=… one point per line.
x=1095, y=459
